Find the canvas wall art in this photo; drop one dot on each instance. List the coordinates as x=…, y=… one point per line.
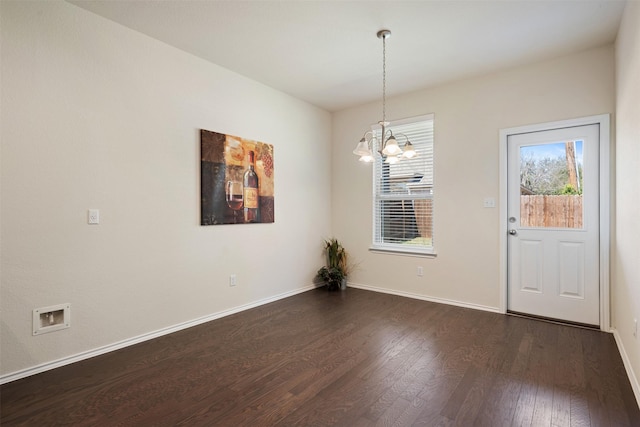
x=236, y=180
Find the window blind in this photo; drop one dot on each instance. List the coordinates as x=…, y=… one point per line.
x=403, y=192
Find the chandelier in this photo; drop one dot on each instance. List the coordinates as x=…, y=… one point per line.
x=390, y=150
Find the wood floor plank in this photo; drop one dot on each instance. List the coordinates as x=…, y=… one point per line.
x=354, y=358
x=398, y=381
x=449, y=367
x=500, y=403
x=392, y=413
x=543, y=407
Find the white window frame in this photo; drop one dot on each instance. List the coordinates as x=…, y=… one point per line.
x=377, y=239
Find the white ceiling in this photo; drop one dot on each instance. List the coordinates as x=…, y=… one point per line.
x=327, y=52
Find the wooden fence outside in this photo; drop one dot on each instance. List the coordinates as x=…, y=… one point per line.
x=551, y=211
x=406, y=219
x=424, y=217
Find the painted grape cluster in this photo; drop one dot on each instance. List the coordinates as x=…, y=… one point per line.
x=267, y=163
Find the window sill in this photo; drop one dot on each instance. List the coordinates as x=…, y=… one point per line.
x=420, y=253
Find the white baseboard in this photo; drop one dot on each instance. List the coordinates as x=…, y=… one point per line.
x=144, y=337
x=627, y=365
x=426, y=298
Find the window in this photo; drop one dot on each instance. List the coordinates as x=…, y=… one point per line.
x=403, y=192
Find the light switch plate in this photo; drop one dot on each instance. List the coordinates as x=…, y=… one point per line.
x=489, y=202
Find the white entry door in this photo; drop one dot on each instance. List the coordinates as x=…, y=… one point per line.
x=553, y=224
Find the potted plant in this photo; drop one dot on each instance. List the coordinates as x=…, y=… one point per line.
x=332, y=277
x=334, y=274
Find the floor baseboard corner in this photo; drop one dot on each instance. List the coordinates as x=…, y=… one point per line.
x=627, y=365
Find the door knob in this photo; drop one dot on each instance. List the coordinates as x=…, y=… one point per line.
x=513, y=232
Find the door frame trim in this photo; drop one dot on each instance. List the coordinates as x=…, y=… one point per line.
x=603, y=120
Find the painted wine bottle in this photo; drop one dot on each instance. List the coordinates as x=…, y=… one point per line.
x=251, y=199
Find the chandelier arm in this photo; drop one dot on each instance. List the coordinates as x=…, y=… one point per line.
x=364, y=136
x=405, y=136
x=369, y=137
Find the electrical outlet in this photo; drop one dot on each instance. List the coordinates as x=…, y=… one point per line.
x=232, y=280
x=635, y=327
x=489, y=202
x=93, y=216
x=420, y=272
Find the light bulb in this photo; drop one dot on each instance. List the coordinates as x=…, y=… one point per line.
x=392, y=160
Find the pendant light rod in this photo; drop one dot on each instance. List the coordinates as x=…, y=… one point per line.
x=384, y=34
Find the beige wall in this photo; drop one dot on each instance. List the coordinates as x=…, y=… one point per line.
x=468, y=117
x=625, y=292
x=95, y=115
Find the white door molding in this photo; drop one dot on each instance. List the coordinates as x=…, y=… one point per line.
x=603, y=121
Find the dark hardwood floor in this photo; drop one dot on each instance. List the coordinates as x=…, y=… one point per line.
x=353, y=358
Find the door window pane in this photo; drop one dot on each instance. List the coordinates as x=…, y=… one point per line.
x=551, y=185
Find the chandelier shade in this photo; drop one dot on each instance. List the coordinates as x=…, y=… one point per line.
x=409, y=151
x=362, y=149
